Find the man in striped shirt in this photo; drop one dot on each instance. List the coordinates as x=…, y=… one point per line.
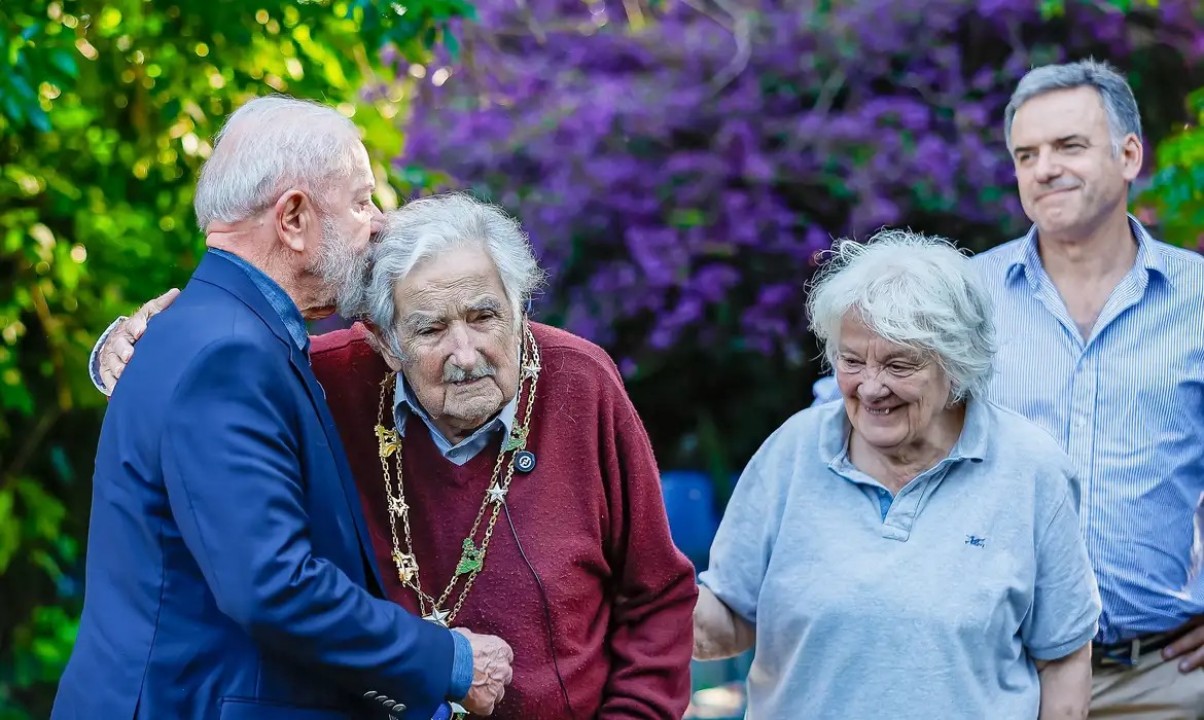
x=1101, y=342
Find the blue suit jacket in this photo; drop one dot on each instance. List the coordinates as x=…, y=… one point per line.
x=226, y=566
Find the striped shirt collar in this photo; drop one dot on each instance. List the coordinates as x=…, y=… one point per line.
x=1026, y=257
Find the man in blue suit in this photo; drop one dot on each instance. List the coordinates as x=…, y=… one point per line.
x=229, y=571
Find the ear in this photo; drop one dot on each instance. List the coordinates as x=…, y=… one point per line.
x=296, y=219
x=376, y=338
x=1131, y=155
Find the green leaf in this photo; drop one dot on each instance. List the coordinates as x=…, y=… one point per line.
x=64, y=62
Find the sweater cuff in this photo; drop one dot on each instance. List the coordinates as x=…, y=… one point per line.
x=461, y=679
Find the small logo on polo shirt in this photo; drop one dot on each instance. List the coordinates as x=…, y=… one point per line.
x=975, y=541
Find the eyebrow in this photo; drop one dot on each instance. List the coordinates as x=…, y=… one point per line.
x=487, y=303
x=1057, y=141
x=417, y=320
x=904, y=355
x=420, y=318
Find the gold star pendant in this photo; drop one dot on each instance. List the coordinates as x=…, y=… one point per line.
x=437, y=616
x=497, y=493
x=397, y=506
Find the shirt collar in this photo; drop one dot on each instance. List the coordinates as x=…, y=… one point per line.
x=1026, y=259
x=970, y=445
x=276, y=297
x=405, y=403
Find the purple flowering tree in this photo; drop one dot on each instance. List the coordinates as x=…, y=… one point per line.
x=681, y=165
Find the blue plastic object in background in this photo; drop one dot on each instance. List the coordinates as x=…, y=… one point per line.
x=690, y=504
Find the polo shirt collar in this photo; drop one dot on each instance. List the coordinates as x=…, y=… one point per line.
x=970, y=445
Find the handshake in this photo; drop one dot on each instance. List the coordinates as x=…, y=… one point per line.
x=491, y=673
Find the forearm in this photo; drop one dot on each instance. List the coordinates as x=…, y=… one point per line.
x=304, y=608
x=718, y=632
x=1066, y=686
x=650, y=645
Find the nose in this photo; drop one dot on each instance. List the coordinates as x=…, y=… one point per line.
x=377, y=219
x=871, y=389
x=1046, y=167
x=462, y=351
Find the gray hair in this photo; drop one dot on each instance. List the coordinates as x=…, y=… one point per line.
x=267, y=146
x=425, y=228
x=1114, y=91
x=912, y=290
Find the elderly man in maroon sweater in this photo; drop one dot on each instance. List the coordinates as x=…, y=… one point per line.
x=506, y=478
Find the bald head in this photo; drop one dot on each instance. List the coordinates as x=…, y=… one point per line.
x=269, y=145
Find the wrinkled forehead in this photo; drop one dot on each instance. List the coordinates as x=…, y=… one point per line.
x=860, y=340
x=450, y=284
x=1060, y=114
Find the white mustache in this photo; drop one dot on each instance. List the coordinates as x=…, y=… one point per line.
x=454, y=373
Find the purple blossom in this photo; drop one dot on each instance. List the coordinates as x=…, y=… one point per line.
x=681, y=195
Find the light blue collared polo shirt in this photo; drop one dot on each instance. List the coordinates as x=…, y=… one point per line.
x=936, y=608
x=1127, y=404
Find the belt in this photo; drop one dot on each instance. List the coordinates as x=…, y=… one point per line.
x=1127, y=653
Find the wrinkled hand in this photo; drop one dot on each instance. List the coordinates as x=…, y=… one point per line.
x=119, y=346
x=1190, y=647
x=491, y=672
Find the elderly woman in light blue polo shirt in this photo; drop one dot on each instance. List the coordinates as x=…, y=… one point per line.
x=911, y=551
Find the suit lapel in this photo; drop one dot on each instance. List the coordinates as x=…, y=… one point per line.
x=217, y=270
x=318, y=396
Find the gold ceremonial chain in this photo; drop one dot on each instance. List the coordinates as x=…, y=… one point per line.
x=472, y=555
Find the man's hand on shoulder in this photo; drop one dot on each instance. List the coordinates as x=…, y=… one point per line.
x=118, y=347
x=491, y=672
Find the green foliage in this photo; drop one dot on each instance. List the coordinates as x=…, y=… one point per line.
x=1174, y=194
x=1176, y=190
x=106, y=110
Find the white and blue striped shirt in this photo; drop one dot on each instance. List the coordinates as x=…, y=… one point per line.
x=1127, y=405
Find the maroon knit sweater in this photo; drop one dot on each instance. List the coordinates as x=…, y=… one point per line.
x=590, y=518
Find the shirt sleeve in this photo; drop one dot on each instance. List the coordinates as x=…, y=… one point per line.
x=744, y=542
x=461, y=680
x=1066, y=604
x=94, y=358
